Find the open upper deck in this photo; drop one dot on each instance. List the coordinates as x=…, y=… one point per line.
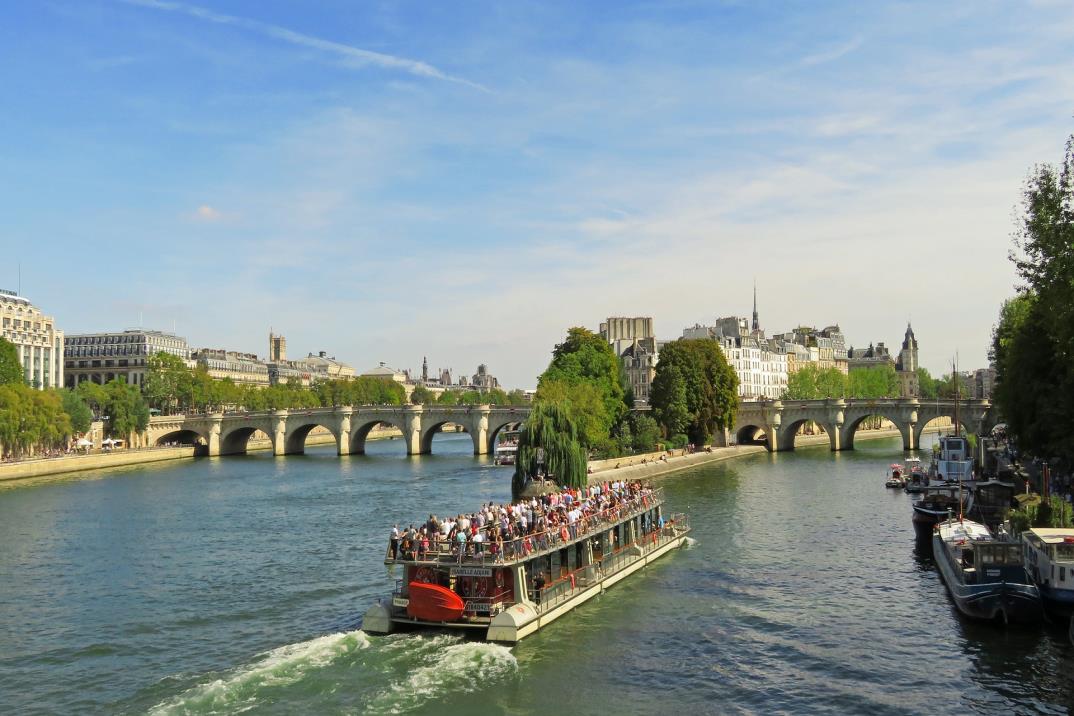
x=585, y=516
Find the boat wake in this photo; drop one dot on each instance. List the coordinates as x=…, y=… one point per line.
x=391, y=674
x=280, y=667
x=690, y=543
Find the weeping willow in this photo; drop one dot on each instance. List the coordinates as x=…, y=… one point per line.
x=549, y=426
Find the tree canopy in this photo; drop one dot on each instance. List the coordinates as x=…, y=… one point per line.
x=811, y=382
x=1033, y=341
x=10, y=369
x=695, y=389
x=31, y=419
x=549, y=443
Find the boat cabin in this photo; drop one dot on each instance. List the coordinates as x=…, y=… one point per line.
x=1050, y=556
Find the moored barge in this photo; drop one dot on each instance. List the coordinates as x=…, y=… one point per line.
x=503, y=590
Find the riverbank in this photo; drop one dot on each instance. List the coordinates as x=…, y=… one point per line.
x=67, y=464
x=56, y=466
x=652, y=465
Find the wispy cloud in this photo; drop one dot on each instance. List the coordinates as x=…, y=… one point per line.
x=352, y=56
x=831, y=54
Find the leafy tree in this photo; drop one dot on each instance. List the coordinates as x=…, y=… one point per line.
x=586, y=358
x=709, y=383
x=167, y=382
x=126, y=409
x=77, y=411
x=584, y=404
x=31, y=419
x=1034, y=340
x=873, y=383
x=802, y=384
x=550, y=433
x=926, y=384
x=516, y=397
x=645, y=433
x=11, y=372
x=422, y=395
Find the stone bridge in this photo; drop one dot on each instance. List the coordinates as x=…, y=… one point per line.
x=229, y=433
x=779, y=420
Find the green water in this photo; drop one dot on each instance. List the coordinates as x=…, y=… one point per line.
x=236, y=585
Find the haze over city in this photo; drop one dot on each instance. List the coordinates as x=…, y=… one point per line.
x=466, y=182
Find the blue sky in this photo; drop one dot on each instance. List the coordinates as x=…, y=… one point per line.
x=386, y=181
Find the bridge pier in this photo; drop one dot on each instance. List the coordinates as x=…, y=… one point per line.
x=412, y=429
x=343, y=431
x=278, y=435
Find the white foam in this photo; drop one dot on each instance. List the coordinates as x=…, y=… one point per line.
x=464, y=668
x=279, y=667
x=691, y=543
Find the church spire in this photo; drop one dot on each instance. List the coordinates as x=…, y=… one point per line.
x=756, y=320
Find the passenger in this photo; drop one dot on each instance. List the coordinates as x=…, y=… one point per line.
x=395, y=541
x=538, y=586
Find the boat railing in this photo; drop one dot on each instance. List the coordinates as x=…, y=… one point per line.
x=535, y=543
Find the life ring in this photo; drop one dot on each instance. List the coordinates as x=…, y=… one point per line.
x=424, y=574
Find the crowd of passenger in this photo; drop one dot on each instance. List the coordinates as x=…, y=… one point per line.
x=507, y=531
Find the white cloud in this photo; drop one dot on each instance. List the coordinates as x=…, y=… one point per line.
x=352, y=56
x=207, y=214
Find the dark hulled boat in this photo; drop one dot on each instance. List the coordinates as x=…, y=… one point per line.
x=986, y=578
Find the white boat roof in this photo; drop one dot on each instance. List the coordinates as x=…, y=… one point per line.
x=954, y=530
x=1053, y=535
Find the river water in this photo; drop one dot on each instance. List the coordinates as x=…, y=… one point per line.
x=237, y=585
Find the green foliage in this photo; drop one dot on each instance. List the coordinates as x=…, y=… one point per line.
x=927, y=385
x=126, y=409
x=551, y=430
x=644, y=433
x=11, y=372
x=516, y=397
x=1054, y=512
x=585, y=358
x=677, y=441
x=873, y=383
x=31, y=419
x=1034, y=340
x=586, y=407
x=694, y=374
x=77, y=411
x=422, y=395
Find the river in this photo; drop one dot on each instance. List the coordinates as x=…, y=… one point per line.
x=237, y=585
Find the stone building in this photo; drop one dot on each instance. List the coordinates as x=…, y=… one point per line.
x=38, y=343
x=241, y=368
x=906, y=366
x=639, y=361
x=101, y=357
x=983, y=381
x=483, y=380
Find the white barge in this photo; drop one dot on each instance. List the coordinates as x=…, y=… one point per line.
x=506, y=592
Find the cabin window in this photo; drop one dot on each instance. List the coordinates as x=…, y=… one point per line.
x=554, y=564
x=1062, y=574
x=572, y=558
x=563, y=568
x=579, y=554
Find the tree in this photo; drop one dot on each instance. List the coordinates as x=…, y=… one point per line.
x=422, y=395
x=31, y=419
x=11, y=372
x=77, y=411
x=126, y=409
x=586, y=358
x=584, y=404
x=873, y=383
x=516, y=397
x=926, y=384
x=167, y=382
x=708, y=381
x=1034, y=339
x=549, y=441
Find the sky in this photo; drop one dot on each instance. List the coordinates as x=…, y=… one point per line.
x=464, y=181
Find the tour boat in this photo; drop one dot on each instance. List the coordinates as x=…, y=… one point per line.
x=896, y=476
x=506, y=448
x=534, y=580
x=1049, y=559
x=985, y=577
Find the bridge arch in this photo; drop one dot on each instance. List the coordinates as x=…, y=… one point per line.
x=965, y=426
x=494, y=433
x=430, y=430
x=185, y=436
x=361, y=427
x=294, y=442
x=788, y=432
x=237, y=440
x=856, y=418
x=752, y=434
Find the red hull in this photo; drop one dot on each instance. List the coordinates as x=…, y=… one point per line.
x=433, y=603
